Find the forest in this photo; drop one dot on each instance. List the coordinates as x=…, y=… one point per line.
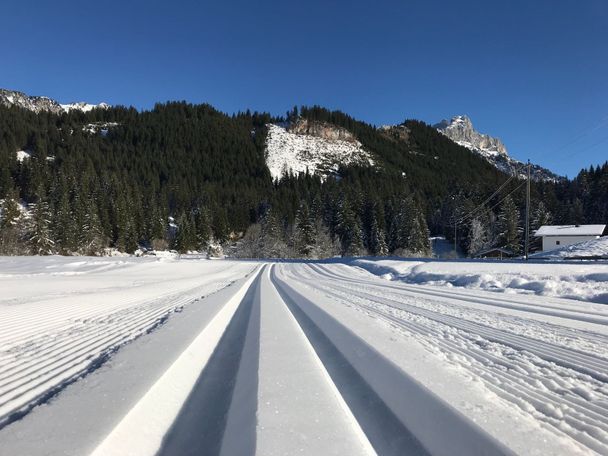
x=191, y=178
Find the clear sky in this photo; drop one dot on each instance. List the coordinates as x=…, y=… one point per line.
x=532, y=72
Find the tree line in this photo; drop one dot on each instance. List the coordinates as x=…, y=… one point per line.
x=189, y=177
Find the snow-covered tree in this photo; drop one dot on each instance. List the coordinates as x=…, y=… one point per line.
x=39, y=231
x=377, y=240
x=477, y=237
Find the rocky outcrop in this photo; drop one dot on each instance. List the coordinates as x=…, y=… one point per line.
x=460, y=129
x=320, y=130
x=40, y=104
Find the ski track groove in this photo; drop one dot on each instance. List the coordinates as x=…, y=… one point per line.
x=65, y=341
x=586, y=421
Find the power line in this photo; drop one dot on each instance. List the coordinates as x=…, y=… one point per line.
x=487, y=200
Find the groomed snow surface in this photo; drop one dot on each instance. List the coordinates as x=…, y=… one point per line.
x=147, y=356
x=295, y=153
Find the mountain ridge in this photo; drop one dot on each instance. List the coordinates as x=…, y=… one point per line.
x=39, y=104
x=460, y=130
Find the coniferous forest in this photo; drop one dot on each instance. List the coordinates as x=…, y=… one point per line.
x=188, y=177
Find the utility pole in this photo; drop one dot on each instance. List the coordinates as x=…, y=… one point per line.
x=527, y=246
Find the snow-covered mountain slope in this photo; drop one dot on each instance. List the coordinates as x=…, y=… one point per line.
x=460, y=130
x=313, y=146
x=39, y=104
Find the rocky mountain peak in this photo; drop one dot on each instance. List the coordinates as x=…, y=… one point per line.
x=460, y=129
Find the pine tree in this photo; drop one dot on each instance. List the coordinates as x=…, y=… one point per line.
x=377, y=243
x=477, y=238
x=349, y=232
x=203, y=227
x=305, y=232
x=509, y=230
x=186, y=235
x=39, y=231
x=10, y=232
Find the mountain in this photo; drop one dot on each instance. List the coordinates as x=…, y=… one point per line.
x=316, y=147
x=460, y=130
x=114, y=177
x=39, y=104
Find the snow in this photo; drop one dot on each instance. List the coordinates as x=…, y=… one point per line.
x=161, y=404
x=321, y=357
x=594, y=248
x=62, y=316
x=585, y=282
x=102, y=127
x=82, y=106
x=514, y=369
x=23, y=155
x=296, y=153
x=570, y=230
x=295, y=378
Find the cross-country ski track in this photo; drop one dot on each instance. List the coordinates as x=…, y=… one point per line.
x=304, y=358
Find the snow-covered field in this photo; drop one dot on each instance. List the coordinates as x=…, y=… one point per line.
x=63, y=316
x=297, y=358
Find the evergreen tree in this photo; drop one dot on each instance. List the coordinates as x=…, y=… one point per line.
x=39, y=231
x=377, y=243
x=349, y=232
x=477, y=238
x=305, y=232
x=509, y=229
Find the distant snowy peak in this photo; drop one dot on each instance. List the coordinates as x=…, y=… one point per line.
x=318, y=147
x=84, y=107
x=460, y=130
x=40, y=104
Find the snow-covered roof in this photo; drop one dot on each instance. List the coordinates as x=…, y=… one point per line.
x=570, y=230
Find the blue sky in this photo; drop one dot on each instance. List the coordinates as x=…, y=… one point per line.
x=534, y=73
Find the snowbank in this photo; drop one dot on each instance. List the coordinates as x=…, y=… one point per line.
x=585, y=282
x=593, y=249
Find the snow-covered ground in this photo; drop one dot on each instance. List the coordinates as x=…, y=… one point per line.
x=595, y=248
x=585, y=281
x=296, y=358
x=295, y=153
x=63, y=316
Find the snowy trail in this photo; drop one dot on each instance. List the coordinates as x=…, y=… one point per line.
x=47, y=342
x=265, y=391
x=530, y=358
x=286, y=378
x=298, y=358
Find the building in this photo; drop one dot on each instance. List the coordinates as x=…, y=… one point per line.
x=495, y=252
x=556, y=236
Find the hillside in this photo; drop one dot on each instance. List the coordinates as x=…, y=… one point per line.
x=113, y=177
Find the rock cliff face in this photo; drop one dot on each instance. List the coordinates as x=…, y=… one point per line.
x=39, y=104
x=460, y=130
x=321, y=130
